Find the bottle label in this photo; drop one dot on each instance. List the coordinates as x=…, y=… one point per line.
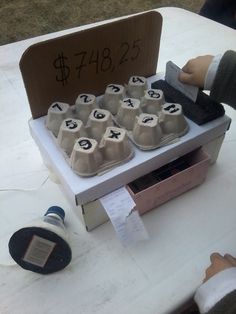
x=38, y=251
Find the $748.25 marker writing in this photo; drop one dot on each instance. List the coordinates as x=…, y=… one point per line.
x=102, y=60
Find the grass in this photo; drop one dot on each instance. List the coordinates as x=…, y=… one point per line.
x=21, y=19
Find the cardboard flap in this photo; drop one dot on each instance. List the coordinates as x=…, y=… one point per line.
x=86, y=61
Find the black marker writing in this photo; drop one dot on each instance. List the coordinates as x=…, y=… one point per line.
x=85, y=98
x=153, y=94
x=98, y=115
x=85, y=144
x=129, y=102
x=115, y=88
x=114, y=134
x=147, y=119
x=56, y=106
x=64, y=70
x=71, y=124
x=137, y=79
x=172, y=108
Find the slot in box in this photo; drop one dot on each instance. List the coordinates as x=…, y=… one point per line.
x=156, y=187
x=169, y=181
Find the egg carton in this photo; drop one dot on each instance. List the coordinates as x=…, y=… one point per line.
x=93, y=134
x=149, y=121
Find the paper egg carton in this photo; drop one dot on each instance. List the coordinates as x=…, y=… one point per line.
x=94, y=133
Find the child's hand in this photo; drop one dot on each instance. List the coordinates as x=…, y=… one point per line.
x=195, y=70
x=219, y=263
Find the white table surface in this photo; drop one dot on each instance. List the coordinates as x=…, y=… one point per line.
x=154, y=276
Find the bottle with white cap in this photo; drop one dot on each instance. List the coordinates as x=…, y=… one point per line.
x=43, y=246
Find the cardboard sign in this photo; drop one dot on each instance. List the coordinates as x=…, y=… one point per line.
x=87, y=61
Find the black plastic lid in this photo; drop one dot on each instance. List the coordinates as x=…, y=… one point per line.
x=56, y=210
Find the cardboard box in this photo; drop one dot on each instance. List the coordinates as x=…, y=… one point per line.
x=81, y=190
x=157, y=187
x=86, y=61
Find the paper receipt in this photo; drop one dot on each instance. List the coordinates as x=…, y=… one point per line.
x=126, y=221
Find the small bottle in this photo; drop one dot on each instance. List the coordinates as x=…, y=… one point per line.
x=43, y=245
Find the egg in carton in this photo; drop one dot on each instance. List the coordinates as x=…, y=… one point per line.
x=93, y=145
